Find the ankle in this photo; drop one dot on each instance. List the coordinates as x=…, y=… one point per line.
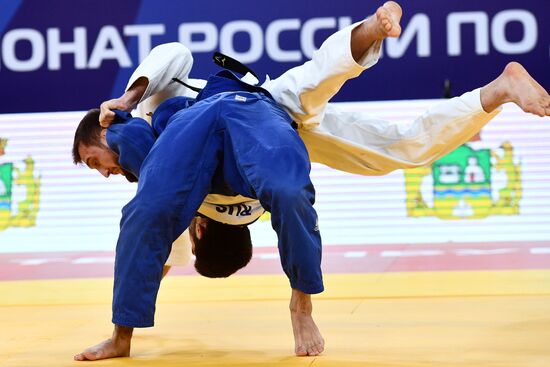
x=301, y=311
x=362, y=39
x=122, y=334
x=494, y=94
x=300, y=303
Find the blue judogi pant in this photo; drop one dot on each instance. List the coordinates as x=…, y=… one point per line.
x=248, y=138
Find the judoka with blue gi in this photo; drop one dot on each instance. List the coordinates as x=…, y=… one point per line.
x=232, y=136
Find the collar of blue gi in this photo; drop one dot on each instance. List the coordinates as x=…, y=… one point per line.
x=167, y=109
x=131, y=138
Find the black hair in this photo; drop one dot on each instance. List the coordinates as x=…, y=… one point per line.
x=87, y=133
x=222, y=249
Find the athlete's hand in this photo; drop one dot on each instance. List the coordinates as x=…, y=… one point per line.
x=127, y=102
x=106, y=115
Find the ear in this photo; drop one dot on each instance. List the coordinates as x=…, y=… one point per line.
x=199, y=229
x=103, y=137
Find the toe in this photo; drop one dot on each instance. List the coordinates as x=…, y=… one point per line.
x=301, y=351
x=321, y=347
x=312, y=352
x=316, y=350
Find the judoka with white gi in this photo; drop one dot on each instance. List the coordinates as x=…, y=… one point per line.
x=353, y=142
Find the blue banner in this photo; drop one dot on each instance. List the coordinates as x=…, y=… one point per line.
x=61, y=55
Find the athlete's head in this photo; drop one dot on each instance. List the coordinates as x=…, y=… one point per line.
x=220, y=249
x=90, y=147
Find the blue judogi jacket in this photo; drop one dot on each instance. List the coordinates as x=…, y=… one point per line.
x=233, y=136
x=132, y=138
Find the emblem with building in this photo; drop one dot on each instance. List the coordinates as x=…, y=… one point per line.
x=463, y=185
x=18, y=211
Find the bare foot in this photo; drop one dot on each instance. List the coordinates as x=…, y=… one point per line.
x=387, y=18
x=516, y=85
x=307, y=338
x=117, y=346
x=384, y=23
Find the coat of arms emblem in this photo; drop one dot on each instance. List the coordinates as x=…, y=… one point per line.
x=21, y=212
x=463, y=187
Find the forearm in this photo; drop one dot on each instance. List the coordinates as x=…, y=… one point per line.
x=135, y=93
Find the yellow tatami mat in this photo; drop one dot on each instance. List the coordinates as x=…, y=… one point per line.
x=439, y=319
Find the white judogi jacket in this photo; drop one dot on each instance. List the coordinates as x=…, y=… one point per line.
x=348, y=141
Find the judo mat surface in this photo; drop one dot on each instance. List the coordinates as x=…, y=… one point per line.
x=413, y=315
